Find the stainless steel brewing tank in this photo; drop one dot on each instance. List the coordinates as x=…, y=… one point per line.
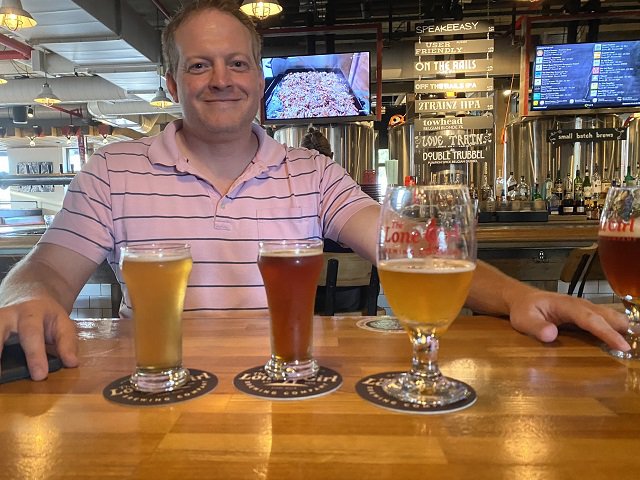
x=401, y=148
x=352, y=144
x=527, y=151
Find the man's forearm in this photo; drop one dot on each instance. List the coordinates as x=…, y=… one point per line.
x=35, y=279
x=493, y=291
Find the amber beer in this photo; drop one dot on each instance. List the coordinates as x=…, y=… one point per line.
x=156, y=278
x=290, y=271
x=619, y=251
x=426, y=294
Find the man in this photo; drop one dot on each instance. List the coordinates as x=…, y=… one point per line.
x=218, y=182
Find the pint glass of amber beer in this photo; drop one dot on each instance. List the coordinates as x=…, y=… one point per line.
x=619, y=251
x=290, y=270
x=156, y=277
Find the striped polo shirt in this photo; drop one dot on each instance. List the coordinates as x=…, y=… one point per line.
x=146, y=191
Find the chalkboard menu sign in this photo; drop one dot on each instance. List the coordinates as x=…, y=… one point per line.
x=454, y=100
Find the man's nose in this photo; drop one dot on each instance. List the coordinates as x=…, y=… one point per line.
x=219, y=78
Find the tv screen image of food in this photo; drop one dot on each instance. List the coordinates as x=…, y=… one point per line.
x=329, y=86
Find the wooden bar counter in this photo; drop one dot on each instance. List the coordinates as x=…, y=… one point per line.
x=556, y=411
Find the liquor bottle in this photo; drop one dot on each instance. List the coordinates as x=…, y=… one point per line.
x=547, y=187
x=500, y=188
x=558, y=186
x=511, y=187
x=587, y=189
x=523, y=192
x=596, y=183
x=473, y=191
x=578, y=186
x=554, y=205
x=629, y=180
x=637, y=174
x=615, y=180
x=536, y=193
x=486, y=192
x=567, y=198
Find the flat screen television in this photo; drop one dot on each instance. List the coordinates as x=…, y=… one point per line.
x=326, y=88
x=586, y=75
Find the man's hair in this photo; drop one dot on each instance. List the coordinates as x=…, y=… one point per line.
x=169, y=49
x=314, y=139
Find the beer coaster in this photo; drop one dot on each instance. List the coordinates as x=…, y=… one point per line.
x=122, y=391
x=381, y=324
x=370, y=389
x=257, y=383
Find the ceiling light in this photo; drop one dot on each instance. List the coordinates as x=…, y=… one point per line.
x=30, y=112
x=261, y=10
x=46, y=96
x=3, y=81
x=161, y=100
x=14, y=17
x=32, y=141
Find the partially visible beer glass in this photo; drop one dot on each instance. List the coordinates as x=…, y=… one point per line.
x=426, y=259
x=290, y=270
x=619, y=251
x=156, y=277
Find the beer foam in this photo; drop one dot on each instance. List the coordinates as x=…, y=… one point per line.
x=427, y=265
x=154, y=257
x=292, y=252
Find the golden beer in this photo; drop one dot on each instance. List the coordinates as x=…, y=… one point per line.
x=426, y=294
x=156, y=277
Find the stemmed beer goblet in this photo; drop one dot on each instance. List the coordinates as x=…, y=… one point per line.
x=619, y=252
x=426, y=259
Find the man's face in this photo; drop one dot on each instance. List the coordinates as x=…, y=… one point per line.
x=217, y=80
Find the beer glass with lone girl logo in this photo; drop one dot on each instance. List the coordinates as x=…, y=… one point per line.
x=156, y=276
x=426, y=259
x=619, y=251
x=290, y=270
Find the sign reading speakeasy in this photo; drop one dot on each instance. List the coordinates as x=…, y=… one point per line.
x=454, y=47
x=454, y=104
x=454, y=85
x=453, y=123
x=455, y=28
x=586, y=135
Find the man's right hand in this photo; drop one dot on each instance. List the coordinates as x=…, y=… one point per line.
x=36, y=297
x=40, y=322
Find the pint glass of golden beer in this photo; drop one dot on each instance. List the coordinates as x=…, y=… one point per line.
x=619, y=252
x=156, y=277
x=290, y=270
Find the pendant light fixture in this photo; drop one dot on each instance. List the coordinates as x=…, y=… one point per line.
x=261, y=10
x=46, y=96
x=161, y=100
x=14, y=17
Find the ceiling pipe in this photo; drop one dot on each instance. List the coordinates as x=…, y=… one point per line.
x=132, y=107
x=20, y=48
x=68, y=89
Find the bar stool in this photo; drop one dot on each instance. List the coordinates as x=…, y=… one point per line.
x=578, y=268
x=347, y=271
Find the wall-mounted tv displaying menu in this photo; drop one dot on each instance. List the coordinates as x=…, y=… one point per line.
x=323, y=88
x=586, y=75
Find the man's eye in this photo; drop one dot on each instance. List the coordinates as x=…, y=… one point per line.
x=196, y=67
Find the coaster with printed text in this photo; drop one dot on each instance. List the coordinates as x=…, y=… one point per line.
x=370, y=389
x=381, y=324
x=257, y=383
x=122, y=391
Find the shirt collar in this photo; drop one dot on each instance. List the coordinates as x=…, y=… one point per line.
x=164, y=149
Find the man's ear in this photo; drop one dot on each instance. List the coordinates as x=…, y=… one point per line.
x=172, y=86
